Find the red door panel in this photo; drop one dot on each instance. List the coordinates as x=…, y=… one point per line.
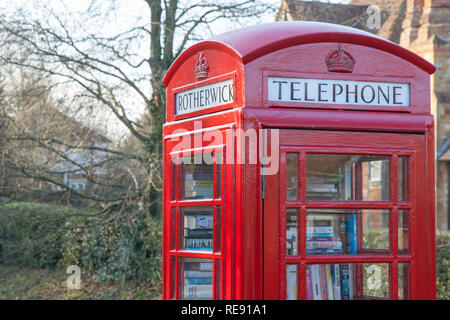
x=344, y=217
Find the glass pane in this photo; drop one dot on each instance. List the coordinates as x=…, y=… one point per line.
x=291, y=176
x=403, y=231
x=197, y=178
x=347, y=281
x=173, y=190
x=347, y=231
x=375, y=280
x=291, y=231
x=375, y=229
x=402, y=178
x=218, y=174
x=218, y=228
x=173, y=231
x=196, y=278
x=291, y=282
x=197, y=228
x=218, y=279
x=347, y=177
x=403, y=281
x=173, y=269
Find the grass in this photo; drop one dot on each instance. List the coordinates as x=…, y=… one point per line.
x=19, y=283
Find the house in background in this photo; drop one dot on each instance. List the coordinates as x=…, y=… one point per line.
x=83, y=163
x=422, y=26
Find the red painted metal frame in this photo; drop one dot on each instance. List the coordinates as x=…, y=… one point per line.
x=249, y=55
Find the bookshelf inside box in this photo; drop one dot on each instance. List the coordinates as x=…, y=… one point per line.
x=338, y=237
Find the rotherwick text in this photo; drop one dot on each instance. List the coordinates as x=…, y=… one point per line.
x=345, y=92
x=204, y=97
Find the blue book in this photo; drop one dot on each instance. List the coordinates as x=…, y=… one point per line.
x=352, y=234
x=207, y=280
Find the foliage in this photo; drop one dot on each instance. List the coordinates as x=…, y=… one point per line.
x=26, y=235
x=443, y=266
x=128, y=246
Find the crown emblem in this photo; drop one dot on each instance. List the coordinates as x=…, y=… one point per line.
x=201, y=68
x=340, y=60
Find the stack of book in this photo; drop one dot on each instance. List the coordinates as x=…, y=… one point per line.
x=320, y=237
x=198, y=182
x=198, y=280
x=323, y=188
x=198, y=231
x=329, y=282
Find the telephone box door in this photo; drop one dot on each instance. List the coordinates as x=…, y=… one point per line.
x=344, y=217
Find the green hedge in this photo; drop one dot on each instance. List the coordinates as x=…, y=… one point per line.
x=28, y=233
x=115, y=246
x=128, y=246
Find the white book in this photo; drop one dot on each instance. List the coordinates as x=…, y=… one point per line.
x=337, y=283
x=319, y=229
x=324, y=244
x=198, y=291
x=291, y=282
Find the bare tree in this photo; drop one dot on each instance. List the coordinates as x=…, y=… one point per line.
x=87, y=66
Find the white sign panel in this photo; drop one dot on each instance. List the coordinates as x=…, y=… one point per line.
x=344, y=92
x=204, y=97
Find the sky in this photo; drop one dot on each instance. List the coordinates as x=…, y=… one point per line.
x=125, y=15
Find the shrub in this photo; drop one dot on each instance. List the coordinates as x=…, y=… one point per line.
x=125, y=247
x=443, y=266
x=30, y=235
x=113, y=246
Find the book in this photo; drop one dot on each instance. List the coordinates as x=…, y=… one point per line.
x=324, y=244
x=198, y=291
x=344, y=274
x=198, y=243
x=318, y=180
x=336, y=281
x=315, y=281
x=329, y=281
x=352, y=239
x=198, y=266
x=321, y=189
x=291, y=282
x=198, y=274
x=198, y=280
x=309, y=287
x=323, y=281
x=196, y=221
x=312, y=230
x=324, y=251
x=203, y=176
x=310, y=237
x=323, y=195
x=198, y=233
x=198, y=183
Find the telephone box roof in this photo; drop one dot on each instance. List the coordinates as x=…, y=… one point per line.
x=250, y=43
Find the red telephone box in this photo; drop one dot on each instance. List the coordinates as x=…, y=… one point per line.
x=298, y=164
